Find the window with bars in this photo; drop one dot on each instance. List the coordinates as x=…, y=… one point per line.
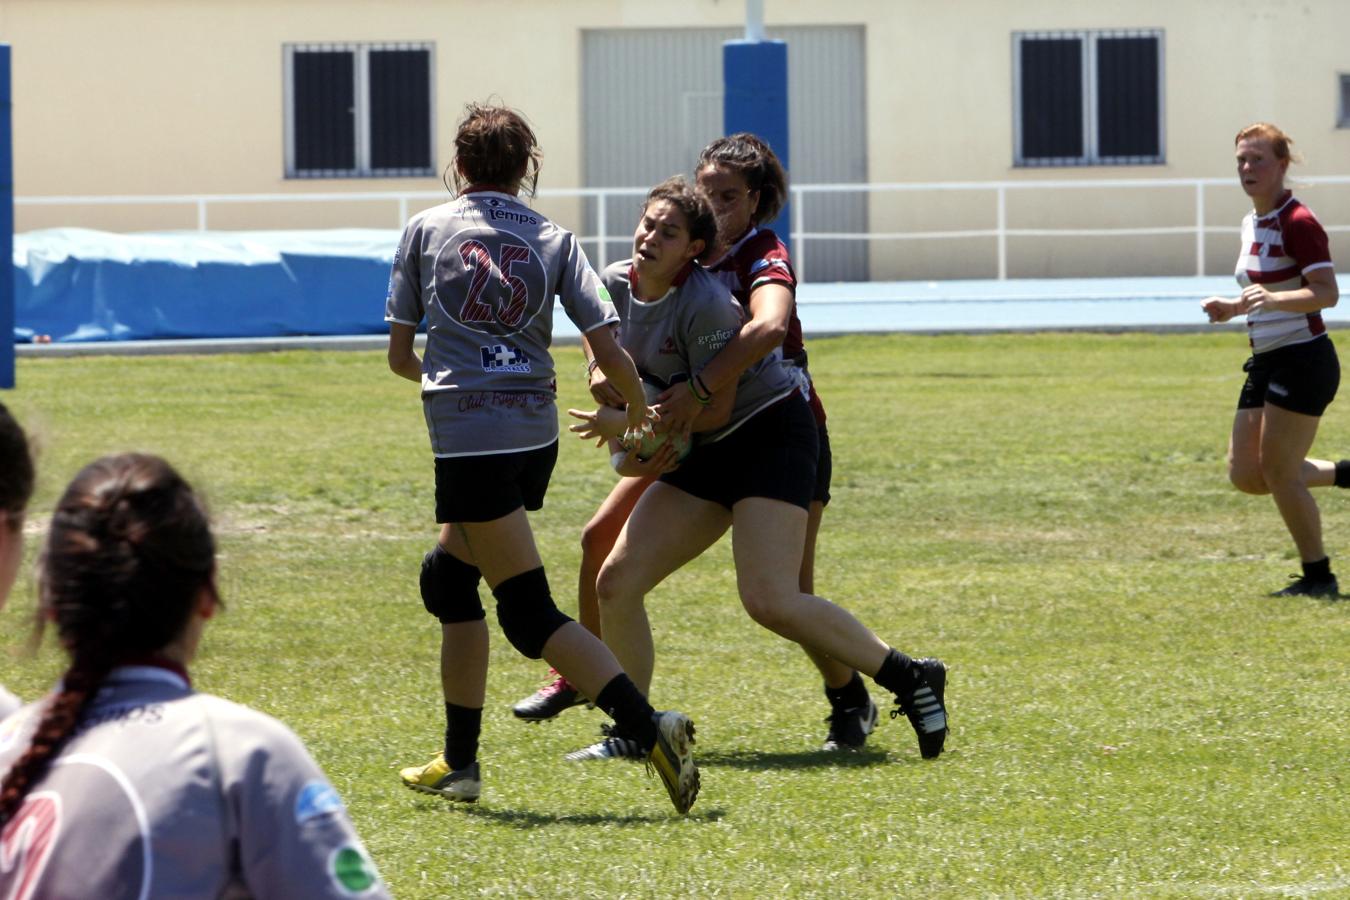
x=359, y=110
x=1088, y=98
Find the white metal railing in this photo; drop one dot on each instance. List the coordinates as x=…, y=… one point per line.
x=799, y=237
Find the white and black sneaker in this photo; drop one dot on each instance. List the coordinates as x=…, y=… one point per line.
x=850, y=727
x=924, y=707
x=616, y=744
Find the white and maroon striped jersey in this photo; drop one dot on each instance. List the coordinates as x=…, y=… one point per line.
x=1278, y=250
x=164, y=792
x=680, y=333
x=483, y=271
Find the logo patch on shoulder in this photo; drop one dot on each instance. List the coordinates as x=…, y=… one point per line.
x=316, y=799
x=504, y=358
x=352, y=870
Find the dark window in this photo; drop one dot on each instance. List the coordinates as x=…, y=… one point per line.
x=1088, y=98
x=325, y=111
x=356, y=110
x=1052, y=98
x=1343, y=120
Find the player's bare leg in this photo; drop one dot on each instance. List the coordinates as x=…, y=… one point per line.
x=597, y=539
x=763, y=529
x=1267, y=455
x=667, y=529
x=853, y=715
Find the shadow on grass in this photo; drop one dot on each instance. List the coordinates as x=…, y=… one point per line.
x=815, y=759
x=519, y=818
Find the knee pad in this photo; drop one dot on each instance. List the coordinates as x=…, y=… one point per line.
x=450, y=588
x=527, y=613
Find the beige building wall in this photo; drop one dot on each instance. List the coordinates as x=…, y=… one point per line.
x=140, y=97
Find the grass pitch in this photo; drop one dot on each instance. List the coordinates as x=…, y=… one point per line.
x=1131, y=715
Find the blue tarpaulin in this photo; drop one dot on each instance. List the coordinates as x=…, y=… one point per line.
x=77, y=285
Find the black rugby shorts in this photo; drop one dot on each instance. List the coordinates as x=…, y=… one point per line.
x=773, y=455
x=1301, y=378
x=484, y=488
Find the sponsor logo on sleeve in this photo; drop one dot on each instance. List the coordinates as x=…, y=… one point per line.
x=317, y=798
x=504, y=358
x=715, y=339
x=352, y=871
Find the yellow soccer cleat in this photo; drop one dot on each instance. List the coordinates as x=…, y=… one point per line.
x=436, y=777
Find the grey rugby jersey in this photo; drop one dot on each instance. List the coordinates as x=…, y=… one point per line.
x=679, y=334
x=164, y=792
x=8, y=703
x=483, y=271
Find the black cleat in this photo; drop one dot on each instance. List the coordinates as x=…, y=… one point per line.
x=850, y=727
x=924, y=707
x=1304, y=586
x=550, y=700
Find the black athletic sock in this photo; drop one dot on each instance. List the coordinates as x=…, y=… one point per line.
x=462, y=727
x=623, y=702
x=1343, y=473
x=898, y=674
x=1319, y=570
x=850, y=696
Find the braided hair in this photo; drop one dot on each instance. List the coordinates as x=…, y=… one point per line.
x=127, y=555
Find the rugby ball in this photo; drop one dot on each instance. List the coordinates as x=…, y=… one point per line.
x=653, y=441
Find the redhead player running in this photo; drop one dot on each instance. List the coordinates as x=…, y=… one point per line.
x=482, y=270
x=1287, y=279
x=746, y=186
x=125, y=782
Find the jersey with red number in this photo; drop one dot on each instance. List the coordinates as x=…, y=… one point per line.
x=483, y=271
x=757, y=259
x=1279, y=249
x=164, y=792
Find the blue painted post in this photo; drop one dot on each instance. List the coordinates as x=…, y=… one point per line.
x=6, y=228
x=755, y=99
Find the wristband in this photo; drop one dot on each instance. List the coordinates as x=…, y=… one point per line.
x=590, y=369
x=703, y=386
x=702, y=401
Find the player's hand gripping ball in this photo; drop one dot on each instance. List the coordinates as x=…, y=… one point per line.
x=650, y=441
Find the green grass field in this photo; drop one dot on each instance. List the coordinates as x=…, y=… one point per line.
x=1132, y=715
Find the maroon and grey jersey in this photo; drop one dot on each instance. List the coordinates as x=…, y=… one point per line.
x=1278, y=250
x=674, y=337
x=8, y=703
x=758, y=258
x=483, y=271
x=164, y=792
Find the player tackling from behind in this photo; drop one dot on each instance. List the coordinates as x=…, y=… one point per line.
x=746, y=186
x=482, y=270
x=124, y=782
x=752, y=471
x=1284, y=268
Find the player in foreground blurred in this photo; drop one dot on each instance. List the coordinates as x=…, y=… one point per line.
x=483, y=270
x=16, y=488
x=1287, y=277
x=124, y=782
x=752, y=470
